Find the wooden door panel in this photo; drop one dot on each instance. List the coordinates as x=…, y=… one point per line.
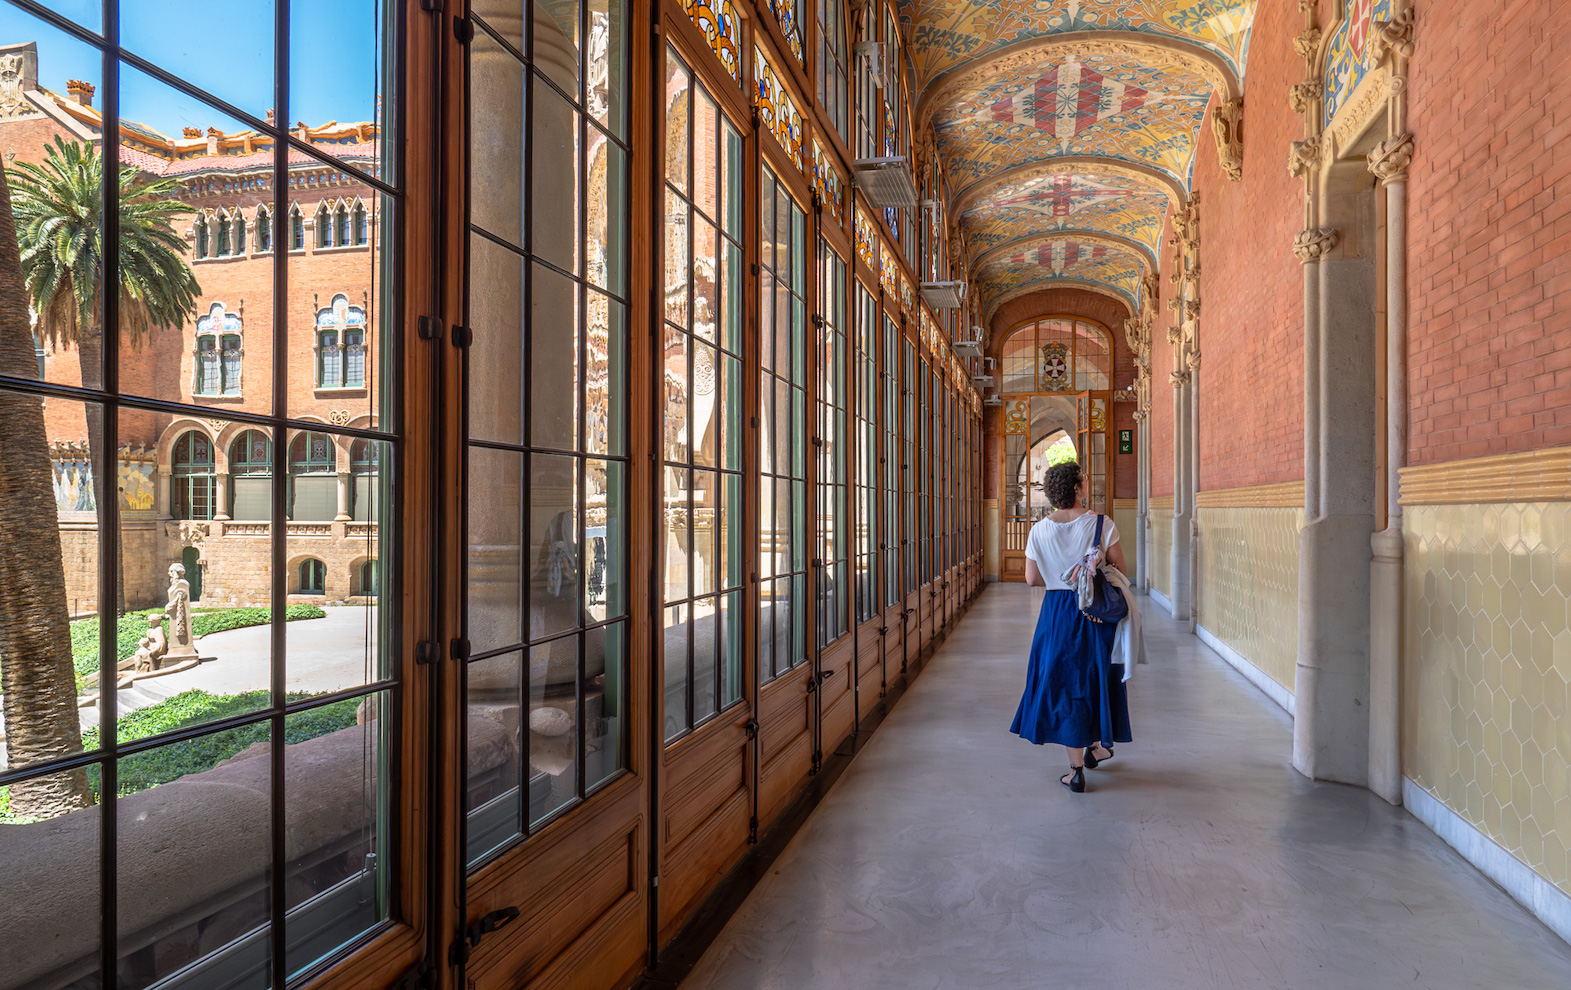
x=702, y=773
x=689, y=868
x=870, y=666
x=785, y=740
x=578, y=881
x=837, y=699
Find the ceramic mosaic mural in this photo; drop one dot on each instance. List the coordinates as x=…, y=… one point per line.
x=1066, y=260
x=947, y=33
x=1104, y=105
x=1094, y=201
x=1349, y=55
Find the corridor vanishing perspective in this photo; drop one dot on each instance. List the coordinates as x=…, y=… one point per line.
x=949, y=856
x=487, y=484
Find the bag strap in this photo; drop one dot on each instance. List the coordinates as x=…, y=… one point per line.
x=1096, y=542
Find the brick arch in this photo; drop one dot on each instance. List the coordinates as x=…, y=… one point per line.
x=165, y=448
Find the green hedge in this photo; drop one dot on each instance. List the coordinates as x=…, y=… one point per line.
x=167, y=763
x=133, y=626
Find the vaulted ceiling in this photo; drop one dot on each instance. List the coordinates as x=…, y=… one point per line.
x=1068, y=128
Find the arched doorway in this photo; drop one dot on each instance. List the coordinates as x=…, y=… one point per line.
x=1056, y=376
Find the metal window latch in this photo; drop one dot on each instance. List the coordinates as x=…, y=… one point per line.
x=475, y=933
x=425, y=652
x=458, y=649
x=750, y=727
x=429, y=328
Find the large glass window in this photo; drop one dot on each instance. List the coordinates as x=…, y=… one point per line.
x=782, y=462
x=834, y=593
x=313, y=478
x=832, y=69
x=1056, y=355
x=910, y=485
x=924, y=471
x=228, y=823
x=701, y=392
x=546, y=509
x=867, y=544
x=192, y=477
x=893, y=456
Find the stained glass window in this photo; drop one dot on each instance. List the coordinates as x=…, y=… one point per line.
x=1056, y=355
x=889, y=273
x=776, y=110
x=721, y=27
x=866, y=241
x=790, y=25
x=831, y=191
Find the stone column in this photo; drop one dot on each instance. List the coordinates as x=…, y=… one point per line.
x=1389, y=161
x=221, y=496
x=1193, y=361
x=343, y=497
x=1142, y=502
x=163, y=507
x=1183, y=509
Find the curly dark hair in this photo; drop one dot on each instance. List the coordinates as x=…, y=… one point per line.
x=1061, y=484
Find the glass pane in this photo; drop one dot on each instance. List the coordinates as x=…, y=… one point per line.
x=338, y=72
x=496, y=549
x=554, y=360
x=335, y=811
x=496, y=357
x=705, y=649
x=496, y=192
x=554, y=228
x=605, y=392
x=553, y=726
x=506, y=17
x=50, y=527
x=553, y=536
x=198, y=810
x=605, y=538
x=606, y=707
x=731, y=647
x=60, y=855
x=606, y=97
x=158, y=31
x=607, y=212
x=558, y=33
x=492, y=796
x=676, y=658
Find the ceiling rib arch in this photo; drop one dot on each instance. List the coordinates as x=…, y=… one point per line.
x=1048, y=285
x=1026, y=55
x=1035, y=241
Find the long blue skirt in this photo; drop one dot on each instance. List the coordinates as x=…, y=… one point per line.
x=1074, y=696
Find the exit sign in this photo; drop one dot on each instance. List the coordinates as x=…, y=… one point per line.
x=1126, y=441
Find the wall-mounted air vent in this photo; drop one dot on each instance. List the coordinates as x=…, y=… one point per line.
x=944, y=295
x=886, y=182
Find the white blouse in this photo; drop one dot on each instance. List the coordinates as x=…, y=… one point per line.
x=1056, y=547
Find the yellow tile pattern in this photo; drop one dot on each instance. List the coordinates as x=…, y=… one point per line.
x=1487, y=671
x=1127, y=519
x=1161, y=549
x=1248, y=594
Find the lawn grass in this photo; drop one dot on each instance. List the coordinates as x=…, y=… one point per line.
x=133, y=626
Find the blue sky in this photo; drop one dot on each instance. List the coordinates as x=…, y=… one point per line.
x=223, y=46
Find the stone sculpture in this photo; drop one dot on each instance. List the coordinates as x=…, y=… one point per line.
x=153, y=647
x=182, y=642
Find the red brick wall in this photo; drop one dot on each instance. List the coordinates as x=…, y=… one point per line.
x=1161, y=422
x=1251, y=286
x=1489, y=236
x=1126, y=467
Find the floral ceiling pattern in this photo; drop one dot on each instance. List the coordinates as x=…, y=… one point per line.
x=1089, y=200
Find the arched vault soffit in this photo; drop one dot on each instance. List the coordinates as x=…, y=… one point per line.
x=1049, y=285
x=1128, y=101
x=1065, y=259
x=1084, y=238
x=947, y=35
x=1090, y=195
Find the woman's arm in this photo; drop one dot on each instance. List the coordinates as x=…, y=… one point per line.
x=1115, y=556
x=1033, y=576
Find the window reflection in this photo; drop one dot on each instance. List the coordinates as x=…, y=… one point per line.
x=867, y=543
x=833, y=431
x=700, y=387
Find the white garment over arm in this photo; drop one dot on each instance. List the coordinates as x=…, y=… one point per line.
x=1056, y=547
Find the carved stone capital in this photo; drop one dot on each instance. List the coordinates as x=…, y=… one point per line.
x=1175, y=333
x=1192, y=274
x=1178, y=379
x=1303, y=95
x=1227, y=125
x=1140, y=415
x=1307, y=42
x=1390, y=159
x=1312, y=245
x=1191, y=309
x=1302, y=156
x=1395, y=35
x=1192, y=359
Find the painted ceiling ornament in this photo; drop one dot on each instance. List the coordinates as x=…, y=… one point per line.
x=1313, y=244
x=1391, y=158
x=1227, y=125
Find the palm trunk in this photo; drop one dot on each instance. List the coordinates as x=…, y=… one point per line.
x=106, y=466
x=36, y=673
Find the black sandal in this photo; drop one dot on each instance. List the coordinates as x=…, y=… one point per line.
x=1076, y=780
x=1092, y=762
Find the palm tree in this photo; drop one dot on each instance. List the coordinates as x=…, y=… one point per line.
x=36, y=673
x=59, y=206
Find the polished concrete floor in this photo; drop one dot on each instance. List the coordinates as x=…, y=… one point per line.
x=948, y=856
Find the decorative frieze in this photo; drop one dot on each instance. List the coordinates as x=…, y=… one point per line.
x=1313, y=244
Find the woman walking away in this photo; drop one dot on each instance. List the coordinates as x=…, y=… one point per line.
x=1072, y=696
